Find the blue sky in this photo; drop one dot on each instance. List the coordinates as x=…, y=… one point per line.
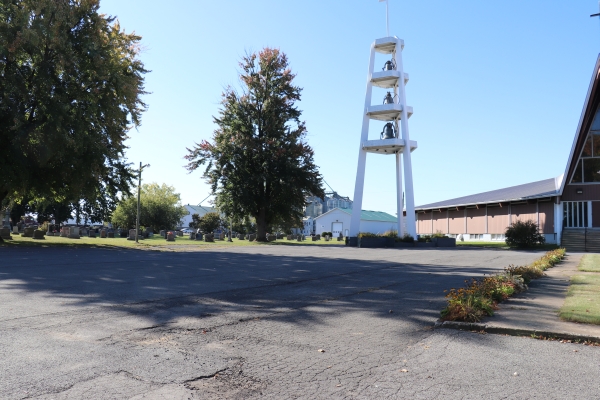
x=497, y=87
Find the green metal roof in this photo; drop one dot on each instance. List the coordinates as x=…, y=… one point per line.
x=368, y=215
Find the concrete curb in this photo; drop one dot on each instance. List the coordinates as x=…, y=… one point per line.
x=479, y=327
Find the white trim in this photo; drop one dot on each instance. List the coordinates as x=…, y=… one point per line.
x=578, y=131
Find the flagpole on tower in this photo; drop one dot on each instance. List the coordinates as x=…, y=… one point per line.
x=387, y=16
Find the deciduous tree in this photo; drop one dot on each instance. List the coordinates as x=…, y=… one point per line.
x=258, y=162
x=70, y=89
x=160, y=208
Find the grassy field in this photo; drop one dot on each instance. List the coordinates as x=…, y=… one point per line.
x=154, y=243
x=497, y=245
x=590, y=263
x=583, y=300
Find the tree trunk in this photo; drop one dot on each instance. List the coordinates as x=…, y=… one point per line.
x=261, y=226
x=2, y=197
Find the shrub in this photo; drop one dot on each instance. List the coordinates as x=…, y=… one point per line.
x=424, y=238
x=438, y=234
x=524, y=234
x=407, y=238
x=480, y=296
x=391, y=233
x=367, y=234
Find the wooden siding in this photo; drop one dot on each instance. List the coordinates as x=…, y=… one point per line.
x=497, y=219
x=591, y=191
x=440, y=222
x=476, y=220
x=523, y=212
x=546, y=210
x=456, y=221
x=424, y=223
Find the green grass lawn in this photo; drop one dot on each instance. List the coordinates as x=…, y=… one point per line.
x=154, y=243
x=482, y=244
x=590, y=263
x=583, y=300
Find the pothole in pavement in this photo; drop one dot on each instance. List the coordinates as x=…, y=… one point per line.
x=230, y=383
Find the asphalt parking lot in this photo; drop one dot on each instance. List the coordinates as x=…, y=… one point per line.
x=264, y=322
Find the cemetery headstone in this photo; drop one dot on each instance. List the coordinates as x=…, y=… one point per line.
x=103, y=234
x=179, y=233
x=199, y=236
x=38, y=235
x=131, y=234
x=110, y=235
x=92, y=233
x=209, y=237
x=170, y=237
x=252, y=237
x=28, y=232
x=15, y=229
x=5, y=234
x=74, y=232
x=163, y=233
x=192, y=235
x=64, y=232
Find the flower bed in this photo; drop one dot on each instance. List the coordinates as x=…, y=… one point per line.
x=481, y=296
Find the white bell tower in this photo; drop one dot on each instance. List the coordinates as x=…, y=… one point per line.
x=394, y=139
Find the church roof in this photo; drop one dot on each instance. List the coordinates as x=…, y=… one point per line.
x=533, y=190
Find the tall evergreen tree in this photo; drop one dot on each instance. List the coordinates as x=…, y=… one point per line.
x=70, y=89
x=258, y=162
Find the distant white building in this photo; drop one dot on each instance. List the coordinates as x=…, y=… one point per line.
x=337, y=221
x=308, y=227
x=200, y=210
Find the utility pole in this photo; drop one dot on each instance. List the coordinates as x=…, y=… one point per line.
x=137, y=220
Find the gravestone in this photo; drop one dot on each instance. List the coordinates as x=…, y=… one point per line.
x=340, y=238
x=199, y=236
x=252, y=237
x=110, y=235
x=170, y=237
x=131, y=234
x=92, y=233
x=74, y=232
x=16, y=230
x=179, y=233
x=28, y=232
x=303, y=237
x=314, y=238
x=290, y=237
x=299, y=238
x=38, y=235
x=280, y=236
x=221, y=236
x=271, y=237
x=209, y=237
x=5, y=234
x=64, y=232
x=163, y=233
x=192, y=235
x=103, y=234
x=241, y=237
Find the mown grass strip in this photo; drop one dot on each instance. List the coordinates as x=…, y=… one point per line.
x=583, y=300
x=590, y=263
x=480, y=296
